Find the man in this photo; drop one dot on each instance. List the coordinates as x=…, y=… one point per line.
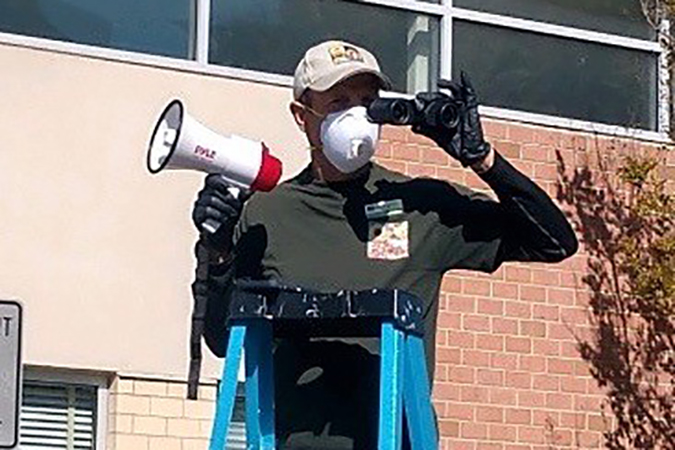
x=314, y=231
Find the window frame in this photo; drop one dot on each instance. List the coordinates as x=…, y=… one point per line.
x=67, y=377
x=446, y=12
x=579, y=34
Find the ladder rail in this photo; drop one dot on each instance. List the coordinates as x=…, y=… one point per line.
x=227, y=390
x=404, y=380
x=259, y=386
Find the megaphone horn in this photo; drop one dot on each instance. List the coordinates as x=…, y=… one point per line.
x=181, y=142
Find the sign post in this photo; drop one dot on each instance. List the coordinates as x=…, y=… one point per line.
x=10, y=373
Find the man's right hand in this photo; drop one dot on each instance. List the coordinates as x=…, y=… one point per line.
x=216, y=213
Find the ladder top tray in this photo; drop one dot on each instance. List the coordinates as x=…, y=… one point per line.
x=295, y=311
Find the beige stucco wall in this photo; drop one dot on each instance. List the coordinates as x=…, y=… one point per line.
x=97, y=249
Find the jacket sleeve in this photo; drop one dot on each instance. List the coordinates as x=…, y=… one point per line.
x=244, y=262
x=540, y=231
x=524, y=225
x=218, y=290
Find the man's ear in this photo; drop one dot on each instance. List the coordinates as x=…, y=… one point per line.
x=298, y=110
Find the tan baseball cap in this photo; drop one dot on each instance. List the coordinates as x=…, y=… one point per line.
x=330, y=62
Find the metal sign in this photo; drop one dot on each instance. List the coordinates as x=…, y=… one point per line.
x=10, y=373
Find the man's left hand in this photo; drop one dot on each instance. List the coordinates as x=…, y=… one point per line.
x=467, y=144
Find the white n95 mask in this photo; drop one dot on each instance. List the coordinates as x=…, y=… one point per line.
x=349, y=139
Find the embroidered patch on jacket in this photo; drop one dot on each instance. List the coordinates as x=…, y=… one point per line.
x=388, y=240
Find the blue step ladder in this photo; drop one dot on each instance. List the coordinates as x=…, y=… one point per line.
x=258, y=313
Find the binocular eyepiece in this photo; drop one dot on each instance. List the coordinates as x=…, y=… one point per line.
x=441, y=111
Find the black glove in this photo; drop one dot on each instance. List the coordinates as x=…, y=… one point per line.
x=216, y=213
x=465, y=143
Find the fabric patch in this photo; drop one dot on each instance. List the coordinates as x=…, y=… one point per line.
x=344, y=53
x=388, y=240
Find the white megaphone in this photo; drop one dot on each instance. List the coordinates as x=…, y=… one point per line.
x=180, y=142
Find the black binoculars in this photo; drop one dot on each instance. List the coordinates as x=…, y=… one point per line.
x=437, y=111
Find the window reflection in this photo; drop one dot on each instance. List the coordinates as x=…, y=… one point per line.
x=150, y=27
x=622, y=17
x=272, y=36
x=561, y=77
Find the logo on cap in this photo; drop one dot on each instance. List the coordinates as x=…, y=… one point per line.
x=344, y=53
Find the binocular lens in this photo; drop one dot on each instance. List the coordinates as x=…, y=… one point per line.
x=401, y=112
x=449, y=116
x=441, y=112
x=392, y=111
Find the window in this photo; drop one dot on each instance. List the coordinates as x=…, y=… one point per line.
x=593, y=60
x=236, y=437
x=590, y=60
x=556, y=76
x=62, y=411
x=598, y=61
x=272, y=35
x=149, y=27
x=621, y=17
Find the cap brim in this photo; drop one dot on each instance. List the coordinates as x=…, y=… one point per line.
x=348, y=71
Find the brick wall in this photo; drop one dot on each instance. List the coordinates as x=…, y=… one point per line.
x=508, y=372
x=147, y=414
